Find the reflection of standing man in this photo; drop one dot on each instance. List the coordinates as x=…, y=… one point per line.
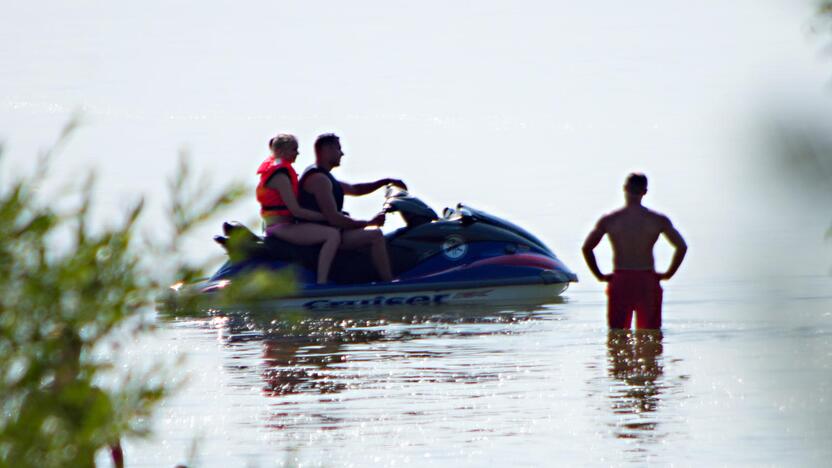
x=634, y=284
x=635, y=359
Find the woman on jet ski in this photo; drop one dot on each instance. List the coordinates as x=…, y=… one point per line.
x=277, y=193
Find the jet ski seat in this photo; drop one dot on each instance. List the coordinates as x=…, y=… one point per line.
x=242, y=245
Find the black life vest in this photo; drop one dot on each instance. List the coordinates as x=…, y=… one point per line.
x=307, y=199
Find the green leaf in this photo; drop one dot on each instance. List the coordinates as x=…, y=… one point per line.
x=57, y=306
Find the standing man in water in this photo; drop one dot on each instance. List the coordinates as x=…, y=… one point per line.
x=634, y=283
x=321, y=192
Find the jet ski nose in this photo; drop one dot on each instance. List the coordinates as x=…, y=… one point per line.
x=554, y=276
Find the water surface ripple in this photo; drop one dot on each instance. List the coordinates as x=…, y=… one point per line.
x=534, y=386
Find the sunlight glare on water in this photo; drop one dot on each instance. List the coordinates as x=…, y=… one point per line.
x=549, y=385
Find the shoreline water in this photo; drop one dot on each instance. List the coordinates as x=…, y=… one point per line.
x=747, y=379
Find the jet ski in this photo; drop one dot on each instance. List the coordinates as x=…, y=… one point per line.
x=466, y=256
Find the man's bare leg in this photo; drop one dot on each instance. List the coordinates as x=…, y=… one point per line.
x=356, y=238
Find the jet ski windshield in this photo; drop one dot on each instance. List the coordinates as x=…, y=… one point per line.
x=414, y=211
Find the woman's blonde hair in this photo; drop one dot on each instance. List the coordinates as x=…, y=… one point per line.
x=282, y=141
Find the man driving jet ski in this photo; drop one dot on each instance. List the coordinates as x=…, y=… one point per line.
x=320, y=191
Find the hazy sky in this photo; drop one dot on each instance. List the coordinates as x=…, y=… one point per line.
x=533, y=110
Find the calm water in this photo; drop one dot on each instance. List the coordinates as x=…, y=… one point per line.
x=534, y=111
x=740, y=375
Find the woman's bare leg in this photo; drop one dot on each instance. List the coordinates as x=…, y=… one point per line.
x=356, y=238
x=312, y=234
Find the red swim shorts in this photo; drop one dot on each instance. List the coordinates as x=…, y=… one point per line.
x=634, y=290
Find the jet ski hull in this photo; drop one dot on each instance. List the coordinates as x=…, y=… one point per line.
x=524, y=291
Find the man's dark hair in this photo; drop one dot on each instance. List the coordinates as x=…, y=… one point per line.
x=325, y=140
x=636, y=184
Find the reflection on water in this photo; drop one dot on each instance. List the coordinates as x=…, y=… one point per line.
x=471, y=374
x=635, y=366
x=298, y=366
x=329, y=354
x=381, y=374
x=633, y=388
x=486, y=386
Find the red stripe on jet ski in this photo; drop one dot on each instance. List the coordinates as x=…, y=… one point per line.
x=524, y=260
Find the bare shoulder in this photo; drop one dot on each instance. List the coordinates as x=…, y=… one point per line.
x=316, y=180
x=611, y=217
x=615, y=214
x=604, y=221
x=658, y=218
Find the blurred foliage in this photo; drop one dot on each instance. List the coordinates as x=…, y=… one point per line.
x=70, y=292
x=825, y=15
x=822, y=23
x=803, y=140
x=825, y=9
x=802, y=146
x=805, y=144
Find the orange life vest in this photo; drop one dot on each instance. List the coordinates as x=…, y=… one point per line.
x=271, y=203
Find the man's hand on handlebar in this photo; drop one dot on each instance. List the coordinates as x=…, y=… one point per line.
x=396, y=183
x=377, y=221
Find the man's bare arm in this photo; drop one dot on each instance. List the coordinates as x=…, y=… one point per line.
x=678, y=242
x=320, y=186
x=590, y=243
x=370, y=187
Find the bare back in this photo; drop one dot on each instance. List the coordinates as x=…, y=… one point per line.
x=633, y=231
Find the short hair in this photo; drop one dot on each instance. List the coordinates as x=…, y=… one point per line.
x=282, y=141
x=636, y=183
x=326, y=139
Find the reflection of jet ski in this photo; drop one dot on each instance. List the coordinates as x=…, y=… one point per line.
x=306, y=356
x=466, y=256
